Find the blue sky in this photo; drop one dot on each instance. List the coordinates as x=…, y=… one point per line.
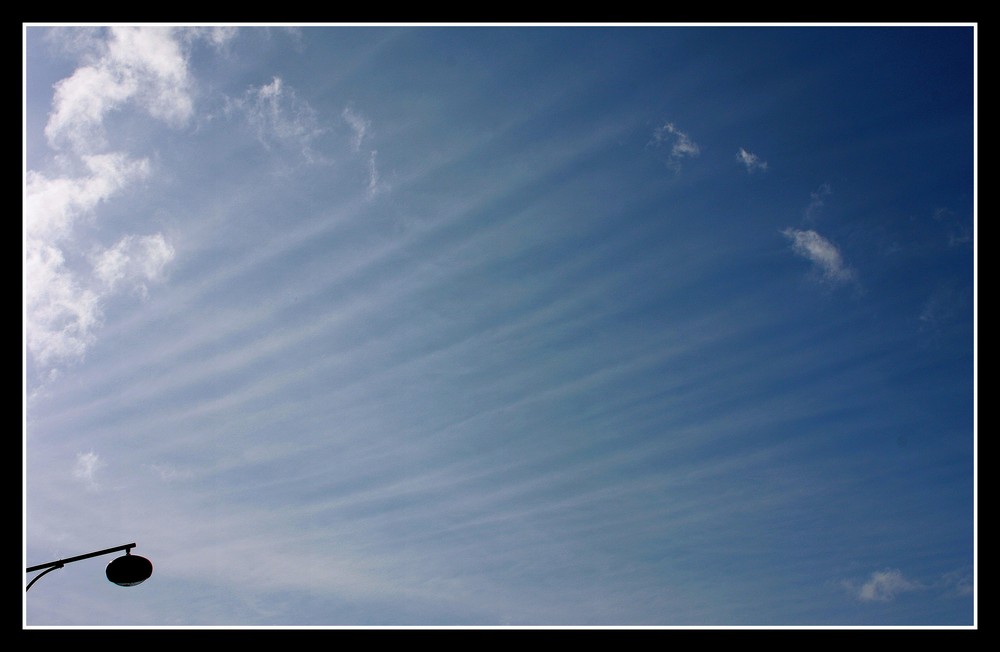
x=501, y=325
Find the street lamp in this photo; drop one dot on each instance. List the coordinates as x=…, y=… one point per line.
x=127, y=570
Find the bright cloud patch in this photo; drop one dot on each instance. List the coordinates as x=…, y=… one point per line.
x=60, y=315
x=680, y=143
x=86, y=467
x=53, y=205
x=751, y=161
x=61, y=309
x=823, y=254
x=884, y=586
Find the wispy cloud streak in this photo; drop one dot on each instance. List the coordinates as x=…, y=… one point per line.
x=280, y=118
x=484, y=365
x=359, y=126
x=373, y=175
x=361, y=130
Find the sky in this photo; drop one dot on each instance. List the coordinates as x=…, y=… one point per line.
x=501, y=325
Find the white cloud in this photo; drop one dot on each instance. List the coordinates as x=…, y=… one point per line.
x=885, y=585
x=821, y=252
x=60, y=315
x=53, y=205
x=61, y=311
x=153, y=56
x=361, y=128
x=956, y=584
x=817, y=199
x=959, y=233
x=144, y=65
x=938, y=307
x=680, y=144
x=945, y=303
x=373, y=182
x=359, y=125
x=751, y=161
x=132, y=261
x=279, y=117
x=125, y=67
x=169, y=473
x=86, y=467
x=81, y=101
x=219, y=37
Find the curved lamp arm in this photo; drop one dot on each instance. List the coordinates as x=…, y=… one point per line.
x=48, y=570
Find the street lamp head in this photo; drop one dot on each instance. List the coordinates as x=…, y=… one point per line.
x=129, y=570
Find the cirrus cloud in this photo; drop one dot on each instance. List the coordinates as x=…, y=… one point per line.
x=279, y=117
